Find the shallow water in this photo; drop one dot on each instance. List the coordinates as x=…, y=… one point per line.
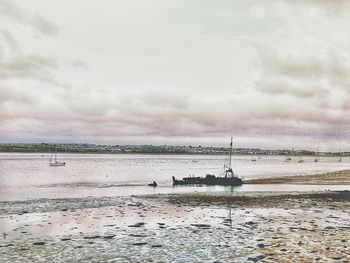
x=28, y=176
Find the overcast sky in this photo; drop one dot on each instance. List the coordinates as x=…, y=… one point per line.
x=273, y=74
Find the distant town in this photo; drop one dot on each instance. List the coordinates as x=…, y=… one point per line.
x=152, y=149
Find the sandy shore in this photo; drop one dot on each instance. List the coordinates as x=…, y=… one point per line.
x=217, y=227
x=331, y=178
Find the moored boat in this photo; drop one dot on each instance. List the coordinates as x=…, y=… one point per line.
x=54, y=162
x=227, y=177
x=154, y=184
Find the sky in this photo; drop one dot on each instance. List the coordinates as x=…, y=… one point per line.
x=272, y=74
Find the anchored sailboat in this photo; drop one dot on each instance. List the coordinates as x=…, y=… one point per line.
x=227, y=177
x=53, y=160
x=340, y=157
x=317, y=159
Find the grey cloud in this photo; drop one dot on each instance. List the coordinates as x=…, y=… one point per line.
x=44, y=26
x=150, y=121
x=180, y=128
x=10, y=9
x=16, y=13
x=27, y=66
x=331, y=7
x=10, y=39
x=14, y=63
x=79, y=64
x=333, y=71
x=255, y=69
x=312, y=78
x=32, y=66
x=281, y=86
x=166, y=99
x=201, y=121
x=9, y=94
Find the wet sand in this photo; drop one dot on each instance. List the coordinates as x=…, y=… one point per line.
x=331, y=178
x=211, y=227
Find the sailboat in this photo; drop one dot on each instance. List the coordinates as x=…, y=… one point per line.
x=54, y=162
x=226, y=178
x=289, y=158
x=300, y=159
x=340, y=159
x=316, y=157
x=253, y=159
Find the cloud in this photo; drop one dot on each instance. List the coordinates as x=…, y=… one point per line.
x=109, y=116
x=16, y=62
x=332, y=7
x=10, y=40
x=320, y=81
x=267, y=71
x=44, y=26
x=24, y=66
x=283, y=88
x=30, y=66
x=14, y=12
x=139, y=116
x=79, y=64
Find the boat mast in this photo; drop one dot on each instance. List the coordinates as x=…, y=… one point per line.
x=51, y=157
x=229, y=165
x=56, y=156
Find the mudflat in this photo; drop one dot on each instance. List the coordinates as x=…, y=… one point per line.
x=211, y=227
x=331, y=178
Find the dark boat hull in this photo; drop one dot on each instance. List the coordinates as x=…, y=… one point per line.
x=228, y=178
x=209, y=180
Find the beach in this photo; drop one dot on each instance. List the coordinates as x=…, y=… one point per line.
x=215, y=227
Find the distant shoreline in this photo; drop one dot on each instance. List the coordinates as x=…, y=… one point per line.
x=156, y=149
x=164, y=153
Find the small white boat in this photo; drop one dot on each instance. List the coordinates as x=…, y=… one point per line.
x=300, y=159
x=54, y=162
x=253, y=159
x=340, y=157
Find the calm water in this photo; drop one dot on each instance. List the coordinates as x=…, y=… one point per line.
x=24, y=176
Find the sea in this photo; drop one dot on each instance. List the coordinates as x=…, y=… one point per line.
x=26, y=176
